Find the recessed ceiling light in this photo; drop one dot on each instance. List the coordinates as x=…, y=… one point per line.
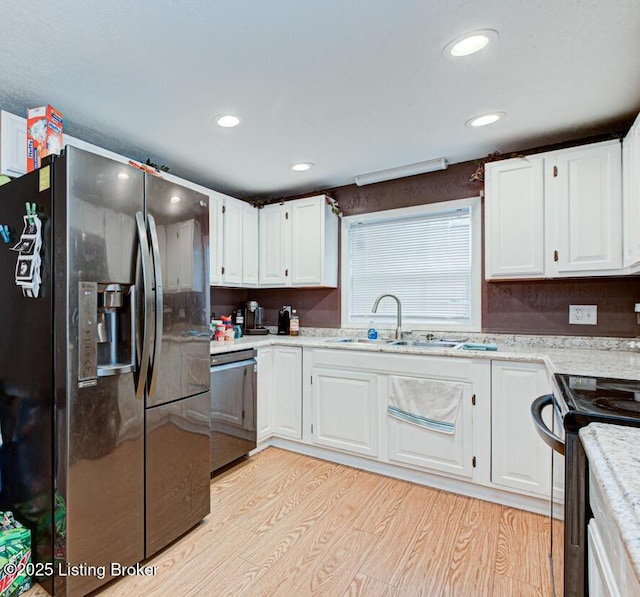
x=123, y=176
x=227, y=120
x=301, y=166
x=485, y=119
x=469, y=43
x=175, y=199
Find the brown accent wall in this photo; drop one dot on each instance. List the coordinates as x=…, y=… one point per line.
x=531, y=307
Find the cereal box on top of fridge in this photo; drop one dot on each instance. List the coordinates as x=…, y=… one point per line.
x=44, y=134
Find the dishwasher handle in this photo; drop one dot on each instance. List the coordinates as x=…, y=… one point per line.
x=548, y=437
x=233, y=365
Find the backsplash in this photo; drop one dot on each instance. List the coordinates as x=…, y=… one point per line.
x=531, y=308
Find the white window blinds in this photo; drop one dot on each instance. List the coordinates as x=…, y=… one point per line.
x=424, y=260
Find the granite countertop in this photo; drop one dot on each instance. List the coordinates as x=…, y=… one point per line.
x=604, y=357
x=614, y=461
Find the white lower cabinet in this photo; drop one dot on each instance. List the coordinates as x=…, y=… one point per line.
x=345, y=410
x=601, y=580
x=263, y=406
x=435, y=450
x=350, y=395
x=460, y=452
x=286, y=392
x=610, y=571
x=519, y=458
x=493, y=451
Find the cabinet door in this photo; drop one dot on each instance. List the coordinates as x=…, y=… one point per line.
x=514, y=218
x=265, y=376
x=585, y=186
x=216, y=203
x=307, y=241
x=631, y=195
x=249, y=245
x=13, y=144
x=286, y=392
x=601, y=578
x=345, y=407
x=275, y=245
x=433, y=450
x=519, y=458
x=232, y=242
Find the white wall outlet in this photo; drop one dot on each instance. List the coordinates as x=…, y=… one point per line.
x=583, y=314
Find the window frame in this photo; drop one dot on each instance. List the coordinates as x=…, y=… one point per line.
x=475, y=206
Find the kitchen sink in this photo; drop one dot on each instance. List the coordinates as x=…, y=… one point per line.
x=428, y=344
x=361, y=340
x=451, y=344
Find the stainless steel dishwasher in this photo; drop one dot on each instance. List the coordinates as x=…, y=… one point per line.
x=233, y=406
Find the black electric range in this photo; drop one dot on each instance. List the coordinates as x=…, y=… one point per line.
x=583, y=400
x=578, y=401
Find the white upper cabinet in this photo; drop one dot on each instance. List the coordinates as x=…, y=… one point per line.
x=275, y=229
x=299, y=244
x=314, y=243
x=232, y=242
x=249, y=245
x=216, y=204
x=13, y=144
x=555, y=214
x=585, y=192
x=631, y=196
x=514, y=218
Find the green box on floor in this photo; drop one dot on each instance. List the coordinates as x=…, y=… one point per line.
x=15, y=556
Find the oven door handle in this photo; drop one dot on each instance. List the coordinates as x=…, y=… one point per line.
x=548, y=437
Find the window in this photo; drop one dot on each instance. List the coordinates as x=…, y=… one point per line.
x=428, y=256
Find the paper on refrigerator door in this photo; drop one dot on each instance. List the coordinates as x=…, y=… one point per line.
x=28, y=263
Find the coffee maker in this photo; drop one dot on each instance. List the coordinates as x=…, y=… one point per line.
x=254, y=319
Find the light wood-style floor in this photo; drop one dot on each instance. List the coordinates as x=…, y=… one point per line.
x=286, y=524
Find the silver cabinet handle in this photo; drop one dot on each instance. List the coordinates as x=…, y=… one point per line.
x=157, y=269
x=548, y=437
x=145, y=258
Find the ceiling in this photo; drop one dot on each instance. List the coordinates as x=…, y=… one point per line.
x=353, y=86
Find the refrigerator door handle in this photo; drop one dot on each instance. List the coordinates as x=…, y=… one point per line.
x=148, y=304
x=157, y=268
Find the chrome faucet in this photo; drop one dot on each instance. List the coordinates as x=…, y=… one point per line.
x=399, y=321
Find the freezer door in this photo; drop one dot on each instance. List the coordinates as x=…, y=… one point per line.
x=26, y=374
x=178, y=221
x=177, y=480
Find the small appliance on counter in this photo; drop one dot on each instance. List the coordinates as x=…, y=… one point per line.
x=284, y=317
x=254, y=319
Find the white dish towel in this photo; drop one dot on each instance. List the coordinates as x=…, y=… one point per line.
x=426, y=402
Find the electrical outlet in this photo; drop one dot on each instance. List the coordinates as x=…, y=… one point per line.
x=583, y=314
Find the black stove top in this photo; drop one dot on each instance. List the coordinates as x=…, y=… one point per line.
x=598, y=399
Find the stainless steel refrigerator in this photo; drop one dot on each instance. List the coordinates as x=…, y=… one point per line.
x=104, y=365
